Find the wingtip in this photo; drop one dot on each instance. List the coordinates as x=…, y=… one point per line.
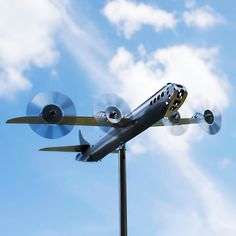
x=13, y=120
x=8, y=121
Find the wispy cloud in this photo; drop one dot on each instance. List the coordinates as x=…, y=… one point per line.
x=85, y=43
x=202, y=18
x=27, y=39
x=129, y=16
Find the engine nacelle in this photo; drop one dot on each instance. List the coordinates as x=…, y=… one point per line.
x=209, y=117
x=112, y=115
x=52, y=114
x=175, y=118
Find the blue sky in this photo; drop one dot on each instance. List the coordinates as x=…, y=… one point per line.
x=176, y=185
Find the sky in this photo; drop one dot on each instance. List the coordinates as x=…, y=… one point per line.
x=177, y=185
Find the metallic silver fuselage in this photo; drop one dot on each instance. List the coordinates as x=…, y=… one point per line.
x=144, y=116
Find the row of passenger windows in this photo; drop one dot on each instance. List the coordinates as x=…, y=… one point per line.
x=158, y=97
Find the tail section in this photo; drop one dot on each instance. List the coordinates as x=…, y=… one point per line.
x=82, y=139
x=84, y=145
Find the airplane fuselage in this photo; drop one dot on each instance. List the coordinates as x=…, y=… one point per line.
x=162, y=104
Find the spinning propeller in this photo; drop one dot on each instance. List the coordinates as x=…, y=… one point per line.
x=211, y=120
x=172, y=123
x=51, y=107
x=110, y=108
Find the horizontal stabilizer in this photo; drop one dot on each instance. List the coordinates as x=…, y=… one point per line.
x=75, y=148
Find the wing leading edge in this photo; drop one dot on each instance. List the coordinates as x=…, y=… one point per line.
x=67, y=120
x=91, y=121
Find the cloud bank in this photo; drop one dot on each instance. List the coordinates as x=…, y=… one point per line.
x=193, y=67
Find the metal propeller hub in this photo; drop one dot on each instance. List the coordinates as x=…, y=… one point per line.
x=52, y=114
x=111, y=108
x=209, y=117
x=113, y=114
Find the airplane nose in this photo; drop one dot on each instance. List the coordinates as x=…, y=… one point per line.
x=178, y=94
x=181, y=91
x=179, y=87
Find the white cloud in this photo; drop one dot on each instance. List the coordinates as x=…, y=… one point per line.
x=193, y=67
x=136, y=79
x=202, y=18
x=27, y=31
x=129, y=17
x=11, y=81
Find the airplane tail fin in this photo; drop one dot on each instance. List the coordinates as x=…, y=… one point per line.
x=84, y=145
x=82, y=140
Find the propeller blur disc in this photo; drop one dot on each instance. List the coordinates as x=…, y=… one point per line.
x=109, y=100
x=212, y=121
x=178, y=130
x=51, y=107
x=173, y=126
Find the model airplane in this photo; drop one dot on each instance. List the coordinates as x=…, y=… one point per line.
x=52, y=115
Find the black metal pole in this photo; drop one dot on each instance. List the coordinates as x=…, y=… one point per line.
x=123, y=193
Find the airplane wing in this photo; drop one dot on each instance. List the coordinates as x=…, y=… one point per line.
x=67, y=120
x=182, y=121
x=91, y=121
